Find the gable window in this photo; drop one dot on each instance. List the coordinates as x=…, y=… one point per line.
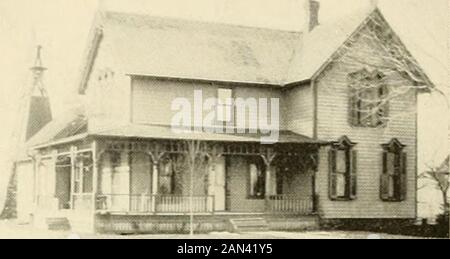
x=343, y=167
x=393, y=179
x=256, y=180
x=224, y=105
x=369, y=102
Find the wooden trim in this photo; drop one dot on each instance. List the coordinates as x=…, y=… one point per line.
x=72, y=175
x=416, y=152
x=315, y=95
x=132, y=89
x=63, y=141
x=204, y=80
x=90, y=58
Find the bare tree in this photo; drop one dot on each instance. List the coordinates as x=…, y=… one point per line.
x=196, y=155
x=440, y=178
x=384, y=70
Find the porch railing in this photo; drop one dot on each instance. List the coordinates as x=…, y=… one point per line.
x=154, y=203
x=290, y=204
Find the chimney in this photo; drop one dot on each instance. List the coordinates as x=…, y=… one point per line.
x=312, y=14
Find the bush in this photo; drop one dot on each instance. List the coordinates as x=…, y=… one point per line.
x=10, y=209
x=391, y=226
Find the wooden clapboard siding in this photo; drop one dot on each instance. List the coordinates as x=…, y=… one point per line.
x=152, y=98
x=108, y=101
x=298, y=110
x=25, y=190
x=332, y=123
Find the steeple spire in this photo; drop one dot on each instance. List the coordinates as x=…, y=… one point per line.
x=38, y=73
x=38, y=107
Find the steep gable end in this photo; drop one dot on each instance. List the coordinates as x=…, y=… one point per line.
x=343, y=35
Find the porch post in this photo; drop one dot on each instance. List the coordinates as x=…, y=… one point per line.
x=37, y=187
x=213, y=156
x=72, y=176
x=155, y=178
x=94, y=175
x=268, y=157
x=268, y=182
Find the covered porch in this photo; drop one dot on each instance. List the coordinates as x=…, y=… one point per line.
x=153, y=177
x=109, y=177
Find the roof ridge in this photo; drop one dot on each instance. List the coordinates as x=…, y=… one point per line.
x=187, y=21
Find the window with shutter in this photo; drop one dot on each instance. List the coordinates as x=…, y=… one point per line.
x=343, y=170
x=393, y=178
x=368, y=99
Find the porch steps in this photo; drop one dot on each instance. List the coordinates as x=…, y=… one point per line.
x=249, y=225
x=58, y=224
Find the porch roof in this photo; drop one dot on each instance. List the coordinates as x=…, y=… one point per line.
x=165, y=132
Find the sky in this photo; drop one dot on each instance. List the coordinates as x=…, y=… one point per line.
x=62, y=26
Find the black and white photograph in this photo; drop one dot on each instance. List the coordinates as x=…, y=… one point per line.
x=224, y=120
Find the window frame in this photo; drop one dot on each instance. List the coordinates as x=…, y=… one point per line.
x=398, y=176
x=347, y=146
x=358, y=103
x=260, y=167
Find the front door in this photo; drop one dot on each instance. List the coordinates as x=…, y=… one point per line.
x=63, y=182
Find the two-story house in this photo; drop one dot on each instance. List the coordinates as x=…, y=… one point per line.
x=347, y=145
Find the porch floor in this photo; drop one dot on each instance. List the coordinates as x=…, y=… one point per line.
x=176, y=223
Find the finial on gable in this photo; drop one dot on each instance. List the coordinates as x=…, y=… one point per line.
x=373, y=4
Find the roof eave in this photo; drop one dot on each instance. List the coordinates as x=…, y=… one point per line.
x=203, y=80
x=94, y=41
x=60, y=142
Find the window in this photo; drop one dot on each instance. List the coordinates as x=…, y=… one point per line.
x=224, y=105
x=166, y=177
x=393, y=178
x=343, y=166
x=369, y=106
x=172, y=168
x=257, y=180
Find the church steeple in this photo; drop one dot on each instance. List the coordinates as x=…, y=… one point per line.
x=38, y=73
x=39, y=111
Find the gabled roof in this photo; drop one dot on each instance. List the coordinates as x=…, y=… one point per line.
x=181, y=49
x=168, y=47
x=319, y=45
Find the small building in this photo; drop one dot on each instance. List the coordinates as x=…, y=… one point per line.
x=347, y=138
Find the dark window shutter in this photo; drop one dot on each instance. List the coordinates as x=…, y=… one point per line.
x=352, y=107
x=384, y=181
x=332, y=174
x=353, y=187
x=403, y=176
x=386, y=105
x=384, y=98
